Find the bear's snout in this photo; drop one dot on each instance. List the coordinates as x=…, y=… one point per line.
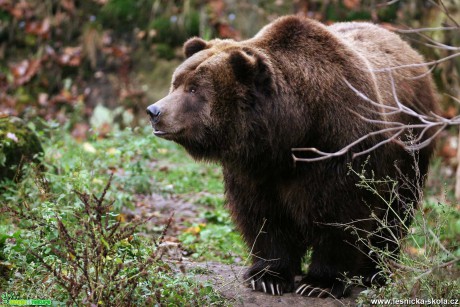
x=154, y=113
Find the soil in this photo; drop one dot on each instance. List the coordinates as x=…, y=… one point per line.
x=228, y=281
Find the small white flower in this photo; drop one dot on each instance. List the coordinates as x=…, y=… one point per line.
x=12, y=136
x=89, y=148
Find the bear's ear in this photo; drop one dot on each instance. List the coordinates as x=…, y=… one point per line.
x=243, y=65
x=193, y=46
x=250, y=67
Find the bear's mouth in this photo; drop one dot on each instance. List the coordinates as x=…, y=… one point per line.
x=165, y=134
x=159, y=132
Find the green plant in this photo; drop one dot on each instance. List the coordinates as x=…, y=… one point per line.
x=81, y=253
x=428, y=264
x=217, y=239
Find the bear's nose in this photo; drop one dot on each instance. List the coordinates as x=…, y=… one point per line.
x=154, y=112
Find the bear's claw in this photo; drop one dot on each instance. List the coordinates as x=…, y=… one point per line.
x=376, y=279
x=311, y=291
x=273, y=288
x=271, y=280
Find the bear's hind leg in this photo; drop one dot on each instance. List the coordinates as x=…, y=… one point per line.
x=333, y=258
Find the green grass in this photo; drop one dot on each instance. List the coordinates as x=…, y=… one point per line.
x=142, y=164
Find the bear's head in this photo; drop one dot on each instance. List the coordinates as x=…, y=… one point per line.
x=217, y=103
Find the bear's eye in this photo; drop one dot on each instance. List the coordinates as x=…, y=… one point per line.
x=192, y=90
x=248, y=52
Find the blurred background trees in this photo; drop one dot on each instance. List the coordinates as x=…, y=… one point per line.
x=59, y=53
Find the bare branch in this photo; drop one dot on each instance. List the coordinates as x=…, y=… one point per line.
x=435, y=44
x=391, y=130
x=387, y=3
x=418, y=30
x=428, y=72
x=419, y=64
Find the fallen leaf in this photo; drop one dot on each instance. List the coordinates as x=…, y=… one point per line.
x=24, y=71
x=415, y=251
x=70, y=57
x=449, y=148
x=121, y=217
x=22, y=10
x=43, y=99
x=450, y=112
x=66, y=97
x=39, y=28
x=227, y=31
x=193, y=230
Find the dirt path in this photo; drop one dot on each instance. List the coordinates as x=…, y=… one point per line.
x=227, y=280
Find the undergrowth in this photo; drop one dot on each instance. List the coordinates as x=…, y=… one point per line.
x=62, y=233
x=428, y=266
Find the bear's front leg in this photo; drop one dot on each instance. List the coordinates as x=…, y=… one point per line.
x=276, y=257
x=272, y=277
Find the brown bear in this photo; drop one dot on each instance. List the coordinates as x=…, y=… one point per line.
x=247, y=104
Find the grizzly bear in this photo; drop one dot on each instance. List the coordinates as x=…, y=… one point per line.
x=299, y=83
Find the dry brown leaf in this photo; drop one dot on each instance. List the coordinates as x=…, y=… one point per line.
x=22, y=10
x=24, y=71
x=39, y=28
x=70, y=57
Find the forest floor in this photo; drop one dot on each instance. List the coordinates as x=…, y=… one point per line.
x=227, y=279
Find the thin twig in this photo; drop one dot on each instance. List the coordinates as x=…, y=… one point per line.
x=432, y=29
x=391, y=130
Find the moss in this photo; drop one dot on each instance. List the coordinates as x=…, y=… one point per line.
x=18, y=145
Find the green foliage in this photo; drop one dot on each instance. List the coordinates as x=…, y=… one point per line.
x=31, y=239
x=80, y=252
x=173, y=30
x=164, y=51
x=428, y=265
x=216, y=239
x=125, y=11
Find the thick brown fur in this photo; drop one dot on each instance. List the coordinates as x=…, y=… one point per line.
x=247, y=104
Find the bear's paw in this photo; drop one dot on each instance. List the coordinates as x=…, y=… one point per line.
x=269, y=281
